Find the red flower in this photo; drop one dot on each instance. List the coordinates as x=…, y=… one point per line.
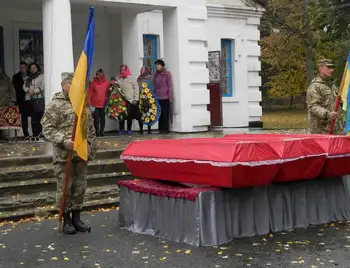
x=118, y=96
x=124, y=102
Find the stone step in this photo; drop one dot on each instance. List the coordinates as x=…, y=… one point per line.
x=23, y=173
x=12, y=188
x=48, y=198
x=47, y=159
x=49, y=210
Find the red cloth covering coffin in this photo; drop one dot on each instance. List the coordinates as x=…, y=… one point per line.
x=302, y=157
x=216, y=162
x=240, y=160
x=336, y=148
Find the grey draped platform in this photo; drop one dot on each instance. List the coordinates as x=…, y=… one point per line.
x=217, y=217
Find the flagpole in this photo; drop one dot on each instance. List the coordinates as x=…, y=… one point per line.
x=337, y=103
x=66, y=178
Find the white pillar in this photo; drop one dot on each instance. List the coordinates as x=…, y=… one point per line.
x=131, y=43
x=58, y=44
x=185, y=56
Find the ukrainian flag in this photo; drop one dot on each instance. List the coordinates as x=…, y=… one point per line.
x=78, y=92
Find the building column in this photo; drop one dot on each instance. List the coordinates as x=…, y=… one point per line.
x=58, y=44
x=185, y=56
x=131, y=43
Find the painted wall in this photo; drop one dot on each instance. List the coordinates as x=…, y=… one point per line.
x=202, y=29
x=108, y=47
x=243, y=107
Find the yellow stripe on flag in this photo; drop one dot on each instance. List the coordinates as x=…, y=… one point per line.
x=77, y=95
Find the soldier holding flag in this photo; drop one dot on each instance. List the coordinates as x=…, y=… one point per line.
x=321, y=99
x=58, y=122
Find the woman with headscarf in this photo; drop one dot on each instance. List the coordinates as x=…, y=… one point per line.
x=130, y=89
x=97, y=97
x=148, y=105
x=34, y=88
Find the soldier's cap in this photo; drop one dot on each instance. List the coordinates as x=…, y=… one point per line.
x=325, y=62
x=67, y=77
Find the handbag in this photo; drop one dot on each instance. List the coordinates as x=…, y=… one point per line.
x=37, y=105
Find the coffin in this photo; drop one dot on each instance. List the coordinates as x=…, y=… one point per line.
x=302, y=157
x=336, y=148
x=240, y=160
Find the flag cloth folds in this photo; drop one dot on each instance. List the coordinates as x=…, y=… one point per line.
x=345, y=94
x=78, y=92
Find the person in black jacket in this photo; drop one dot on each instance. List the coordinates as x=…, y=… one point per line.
x=18, y=81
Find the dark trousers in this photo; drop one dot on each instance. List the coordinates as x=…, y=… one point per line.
x=99, y=120
x=132, y=114
x=141, y=126
x=164, y=116
x=25, y=113
x=36, y=125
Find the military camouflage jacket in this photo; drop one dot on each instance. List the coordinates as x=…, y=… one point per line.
x=58, y=121
x=7, y=92
x=321, y=97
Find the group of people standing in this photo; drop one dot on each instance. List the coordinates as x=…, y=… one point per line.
x=27, y=91
x=158, y=88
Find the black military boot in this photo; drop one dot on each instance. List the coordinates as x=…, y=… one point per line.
x=78, y=224
x=68, y=228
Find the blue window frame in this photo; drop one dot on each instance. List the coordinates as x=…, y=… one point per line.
x=226, y=68
x=2, y=51
x=150, y=51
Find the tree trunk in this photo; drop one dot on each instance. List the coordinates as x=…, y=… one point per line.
x=308, y=44
x=291, y=101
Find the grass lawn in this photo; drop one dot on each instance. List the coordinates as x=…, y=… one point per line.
x=285, y=118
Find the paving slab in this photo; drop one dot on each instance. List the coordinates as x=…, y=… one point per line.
x=113, y=142
x=37, y=244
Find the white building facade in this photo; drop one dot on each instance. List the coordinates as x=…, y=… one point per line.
x=136, y=33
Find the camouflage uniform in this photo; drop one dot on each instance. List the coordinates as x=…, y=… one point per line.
x=320, y=98
x=7, y=98
x=57, y=123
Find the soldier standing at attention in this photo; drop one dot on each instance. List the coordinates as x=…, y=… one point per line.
x=57, y=123
x=320, y=98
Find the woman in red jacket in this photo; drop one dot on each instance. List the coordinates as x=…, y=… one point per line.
x=97, y=97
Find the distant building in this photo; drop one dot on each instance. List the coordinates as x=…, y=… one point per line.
x=137, y=32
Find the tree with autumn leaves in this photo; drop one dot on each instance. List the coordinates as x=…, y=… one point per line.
x=295, y=34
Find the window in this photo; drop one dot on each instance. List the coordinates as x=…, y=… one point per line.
x=31, y=46
x=150, y=51
x=2, y=55
x=226, y=68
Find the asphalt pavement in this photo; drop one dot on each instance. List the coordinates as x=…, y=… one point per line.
x=37, y=244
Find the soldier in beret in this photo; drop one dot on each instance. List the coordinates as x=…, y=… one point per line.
x=57, y=122
x=320, y=98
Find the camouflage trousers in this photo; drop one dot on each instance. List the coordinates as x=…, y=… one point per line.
x=76, y=187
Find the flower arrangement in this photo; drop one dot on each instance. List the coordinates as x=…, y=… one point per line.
x=148, y=106
x=116, y=105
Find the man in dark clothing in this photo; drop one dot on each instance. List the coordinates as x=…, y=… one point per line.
x=18, y=81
